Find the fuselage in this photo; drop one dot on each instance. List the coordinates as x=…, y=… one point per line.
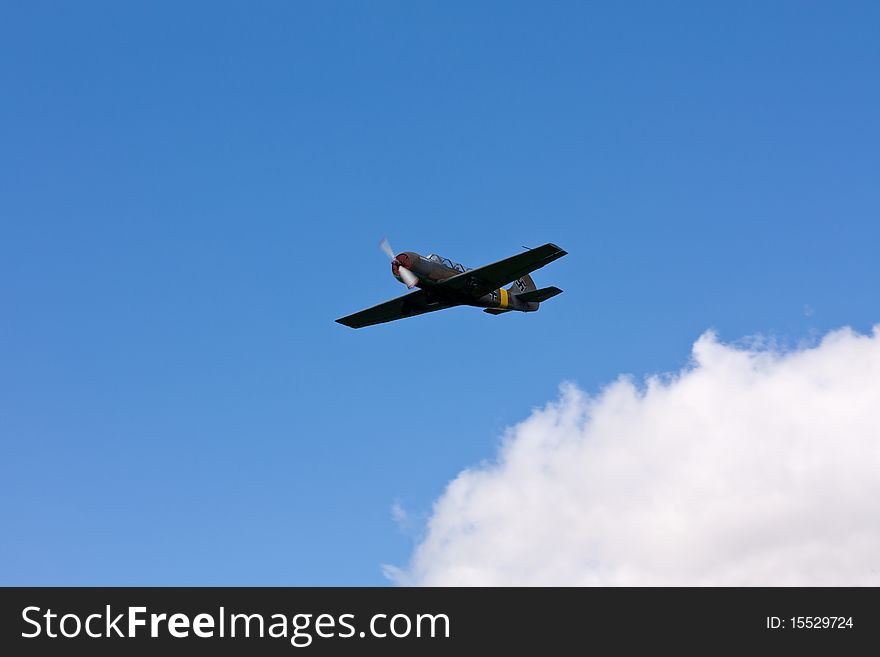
x=433, y=269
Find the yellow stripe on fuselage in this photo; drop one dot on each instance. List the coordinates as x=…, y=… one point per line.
x=504, y=298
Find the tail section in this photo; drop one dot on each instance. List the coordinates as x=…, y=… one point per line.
x=522, y=296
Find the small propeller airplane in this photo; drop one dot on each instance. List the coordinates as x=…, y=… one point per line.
x=444, y=284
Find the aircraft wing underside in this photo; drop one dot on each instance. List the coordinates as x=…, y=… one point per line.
x=414, y=303
x=483, y=280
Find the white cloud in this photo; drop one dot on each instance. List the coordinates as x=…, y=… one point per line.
x=400, y=516
x=749, y=467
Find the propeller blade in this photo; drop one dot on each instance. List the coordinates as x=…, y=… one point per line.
x=408, y=277
x=386, y=247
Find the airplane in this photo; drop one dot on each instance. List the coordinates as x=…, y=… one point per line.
x=444, y=284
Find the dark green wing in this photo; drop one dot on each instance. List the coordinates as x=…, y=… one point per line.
x=414, y=303
x=483, y=280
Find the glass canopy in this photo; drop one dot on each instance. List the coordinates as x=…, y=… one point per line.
x=446, y=262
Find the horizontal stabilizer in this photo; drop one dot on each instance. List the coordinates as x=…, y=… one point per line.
x=539, y=295
x=496, y=311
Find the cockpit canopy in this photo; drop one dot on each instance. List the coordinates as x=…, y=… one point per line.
x=446, y=262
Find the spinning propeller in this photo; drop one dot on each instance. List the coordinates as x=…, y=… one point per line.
x=398, y=267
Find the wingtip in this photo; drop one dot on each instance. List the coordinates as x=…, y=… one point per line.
x=559, y=250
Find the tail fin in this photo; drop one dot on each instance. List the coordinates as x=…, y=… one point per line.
x=524, y=284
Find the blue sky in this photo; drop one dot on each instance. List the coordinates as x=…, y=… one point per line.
x=191, y=193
